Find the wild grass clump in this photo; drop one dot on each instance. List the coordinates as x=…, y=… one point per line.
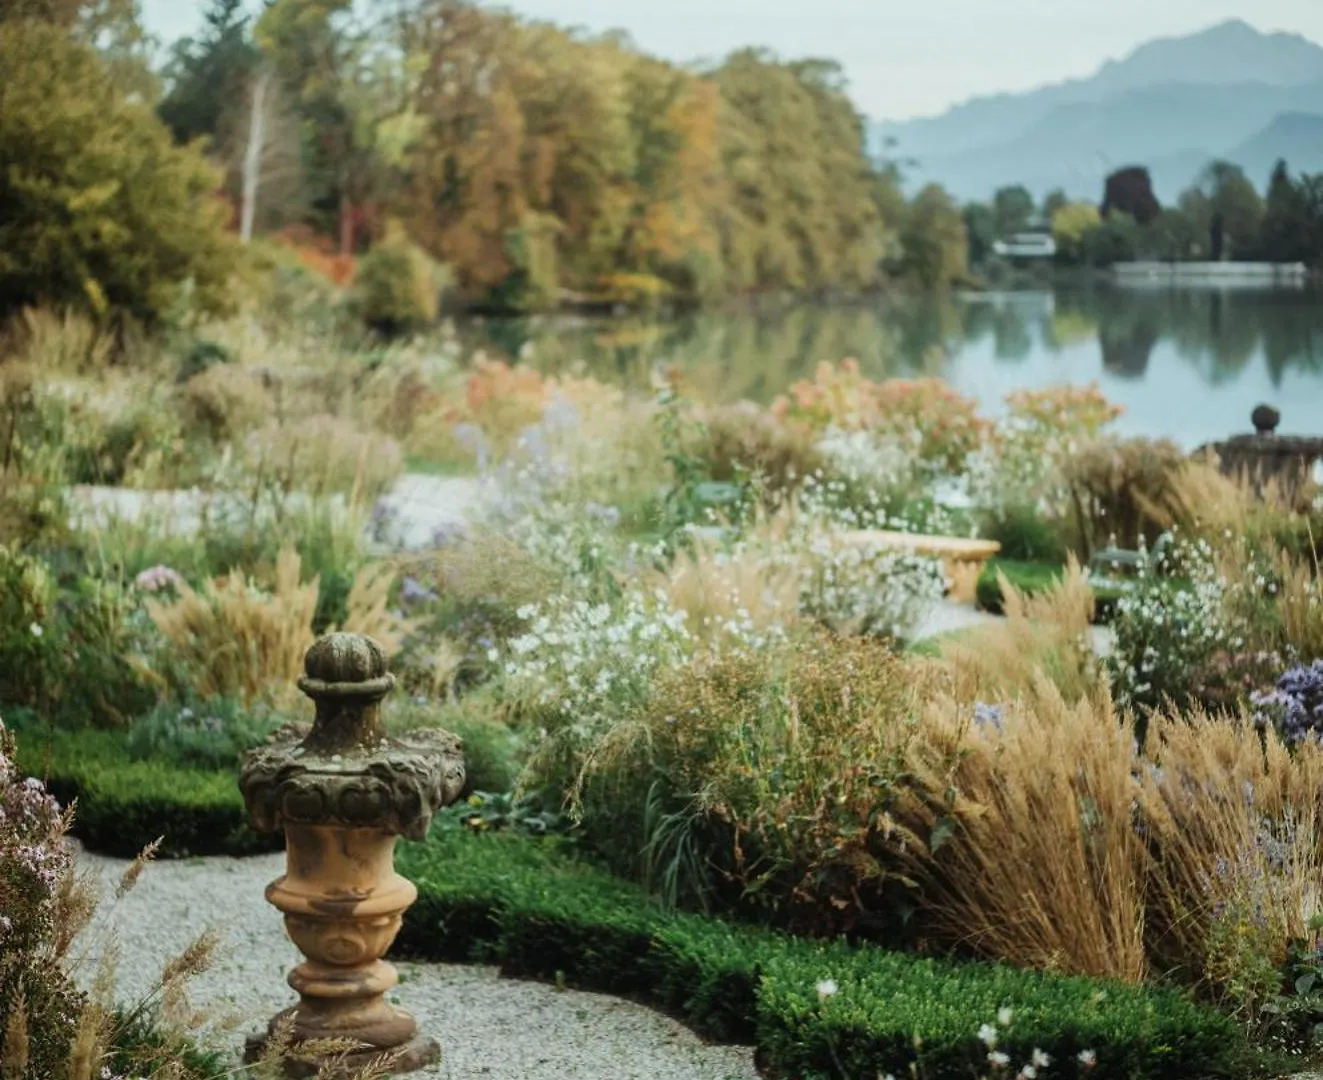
x=1017, y=824
x=1230, y=818
x=1044, y=641
x=234, y=639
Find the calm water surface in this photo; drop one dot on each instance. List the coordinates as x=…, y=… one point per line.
x=1186, y=364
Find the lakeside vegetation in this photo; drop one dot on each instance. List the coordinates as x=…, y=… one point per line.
x=436, y=152
x=1221, y=216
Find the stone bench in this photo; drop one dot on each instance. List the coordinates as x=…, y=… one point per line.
x=963, y=558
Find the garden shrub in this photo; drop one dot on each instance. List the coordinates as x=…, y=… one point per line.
x=493, y=751
x=234, y=639
x=38, y=1000
x=814, y=1007
x=761, y=780
x=1008, y=799
x=1025, y=535
x=946, y=423
x=1042, y=647
x=199, y=734
x=225, y=401
x=398, y=287
x=1231, y=819
x=746, y=440
x=1113, y=485
x=74, y=652
x=1294, y=704
x=322, y=454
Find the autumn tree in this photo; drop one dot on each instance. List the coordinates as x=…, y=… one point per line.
x=1073, y=226
x=1129, y=191
x=800, y=214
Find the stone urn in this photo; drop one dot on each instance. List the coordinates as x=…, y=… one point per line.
x=344, y=791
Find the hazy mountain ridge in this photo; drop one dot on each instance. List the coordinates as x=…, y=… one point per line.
x=1172, y=104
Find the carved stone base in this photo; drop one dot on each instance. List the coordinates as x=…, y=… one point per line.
x=417, y=1053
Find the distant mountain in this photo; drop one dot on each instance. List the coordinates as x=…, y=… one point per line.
x=1172, y=104
x=1297, y=137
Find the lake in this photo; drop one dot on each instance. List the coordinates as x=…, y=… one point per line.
x=1187, y=364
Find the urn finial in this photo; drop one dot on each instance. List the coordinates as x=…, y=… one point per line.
x=1265, y=419
x=345, y=665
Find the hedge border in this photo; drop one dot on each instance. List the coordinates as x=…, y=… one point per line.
x=1035, y=577
x=539, y=912
x=123, y=805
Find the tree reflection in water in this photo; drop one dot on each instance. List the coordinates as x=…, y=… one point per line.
x=756, y=354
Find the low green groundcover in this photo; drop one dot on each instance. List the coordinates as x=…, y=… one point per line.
x=1036, y=577
x=814, y=1009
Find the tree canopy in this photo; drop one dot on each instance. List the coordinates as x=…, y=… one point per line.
x=98, y=207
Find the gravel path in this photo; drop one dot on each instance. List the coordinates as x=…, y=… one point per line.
x=489, y=1027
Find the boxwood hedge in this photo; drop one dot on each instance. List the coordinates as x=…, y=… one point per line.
x=123, y=805
x=539, y=912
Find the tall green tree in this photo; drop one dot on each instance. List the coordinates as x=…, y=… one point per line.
x=1233, y=209
x=208, y=76
x=1172, y=236
x=1012, y=210
x=980, y=230
x=98, y=208
x=1288, y=225
x=934, y=240
x=317, y=50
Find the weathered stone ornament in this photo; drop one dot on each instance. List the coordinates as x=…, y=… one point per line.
x=343, y=791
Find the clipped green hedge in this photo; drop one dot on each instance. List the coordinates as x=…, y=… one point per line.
x=1031, y=578
x=538, y=912
x=123, y=805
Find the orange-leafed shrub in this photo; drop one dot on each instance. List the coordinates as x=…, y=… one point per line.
x=318, y=254
x=1079, y=410
x=946, y=422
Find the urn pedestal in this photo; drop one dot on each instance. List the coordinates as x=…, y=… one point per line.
x=344, y=791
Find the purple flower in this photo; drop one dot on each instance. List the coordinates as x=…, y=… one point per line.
x=412, y=591
x=157, y=578
x=1295, y=704
x=986, y=715
x=449, y=534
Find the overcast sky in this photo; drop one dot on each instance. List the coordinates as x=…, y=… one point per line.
x=904, y=58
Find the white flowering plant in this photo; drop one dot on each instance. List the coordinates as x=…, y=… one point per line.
x=580, y=666
x=1170, y=626
x=868, y=589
